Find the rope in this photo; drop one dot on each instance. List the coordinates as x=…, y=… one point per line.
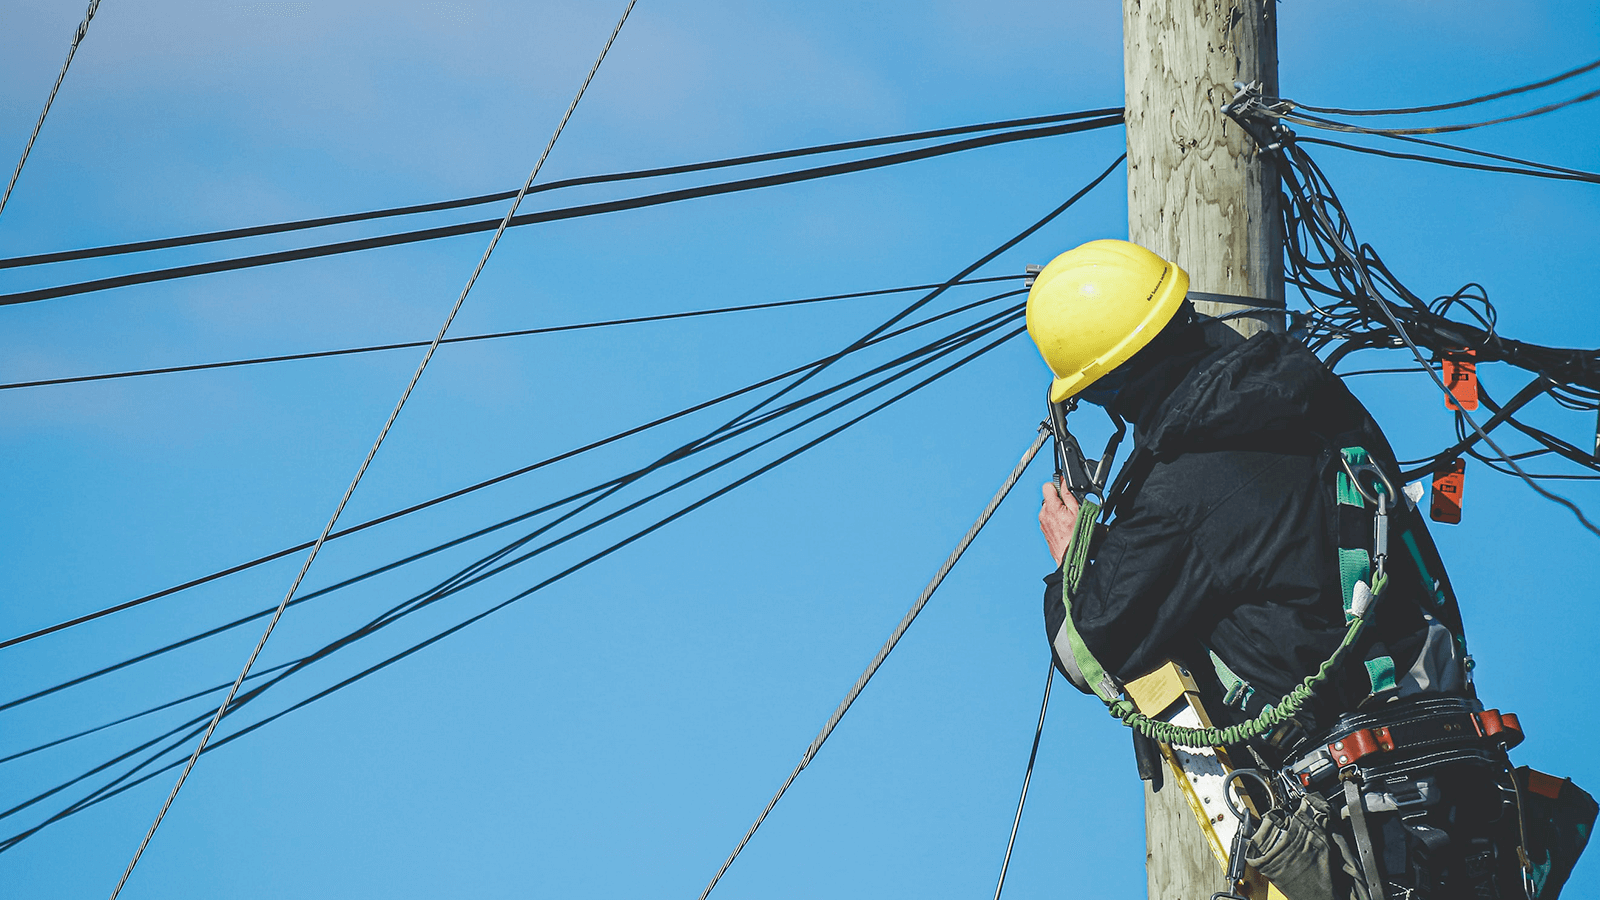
x=77, y=38
x=883, y=654
x=571, y=212
x=384, y=432
x=1044, y=706
x=464, y=202
x=1407, y=110
x=553, y=329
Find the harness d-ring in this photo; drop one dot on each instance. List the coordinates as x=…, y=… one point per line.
x=1356, y=470
x=1243, y=815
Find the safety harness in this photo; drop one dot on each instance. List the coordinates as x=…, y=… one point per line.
x=1391, y=747
x=1359, y=485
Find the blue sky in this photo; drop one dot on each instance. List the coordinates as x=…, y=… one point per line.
x=613, y=735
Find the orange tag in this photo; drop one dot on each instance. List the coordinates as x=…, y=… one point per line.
x=1447, y=485
x=1544, y=785
x=1461, y=377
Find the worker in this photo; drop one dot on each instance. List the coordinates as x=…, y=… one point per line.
x=1229, y=543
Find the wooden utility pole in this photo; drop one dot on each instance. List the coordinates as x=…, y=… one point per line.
x=1197, y=192
x=1200, y=196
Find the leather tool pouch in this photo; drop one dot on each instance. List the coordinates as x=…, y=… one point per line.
x=1558, y=816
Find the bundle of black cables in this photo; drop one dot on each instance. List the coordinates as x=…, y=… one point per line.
x=1357, y=302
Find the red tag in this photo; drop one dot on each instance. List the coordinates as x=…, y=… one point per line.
x=1461, y=377
x=1447, y=485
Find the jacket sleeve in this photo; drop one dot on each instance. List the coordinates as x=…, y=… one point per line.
x=1137, y=600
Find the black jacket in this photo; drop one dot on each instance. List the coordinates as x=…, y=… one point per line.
x=1226, y=536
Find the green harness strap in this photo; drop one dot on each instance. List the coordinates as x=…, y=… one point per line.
x=1355, y=566
x=1073, y=564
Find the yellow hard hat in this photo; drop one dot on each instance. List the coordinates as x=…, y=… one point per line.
x=1097, y=305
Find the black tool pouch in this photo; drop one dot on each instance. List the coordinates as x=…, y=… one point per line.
x=1291, y=849
x=1557, y=817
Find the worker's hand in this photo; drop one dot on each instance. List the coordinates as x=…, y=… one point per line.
x=1057, y=519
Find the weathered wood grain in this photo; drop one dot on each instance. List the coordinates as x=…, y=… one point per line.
x=1197, y=193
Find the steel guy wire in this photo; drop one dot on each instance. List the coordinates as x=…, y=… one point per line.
x=460, y=492
x=551, y=329
x=405, y=395
x=77, y=38
x=106, y=792
x=443, y=205
x=883, y=653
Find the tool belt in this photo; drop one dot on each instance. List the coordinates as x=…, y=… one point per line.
x=1406, y=738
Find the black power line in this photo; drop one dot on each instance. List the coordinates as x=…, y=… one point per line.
x=452, y=495
x=1528, y=170
x=596, y=492
x=1323, y=255
x=122, y=783
x=552, y=329
x=818, y=366
x=478, y=573
x=1439, y=107
x=1335, y=125
x=589, y=209
x=480, y=199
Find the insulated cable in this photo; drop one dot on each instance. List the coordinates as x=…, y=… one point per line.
x=975, y=266
x=77, y=38
x=106, y=792
x=590, y=209
x=856, y=345
x=455, y=583
x=1484, y=154
x=1439, y=107
x=552, y=329
x=1308, y=217
x=883, y=653
x=937, y=348
x=452, y=585
x=464, y=202
x=1004, y=338
x=1334, y=125
x=1557, y=175
x=460, y=492
x=1027, y=776
x=354, y=482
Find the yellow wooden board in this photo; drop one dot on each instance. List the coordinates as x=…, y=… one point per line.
x=1169, y=693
